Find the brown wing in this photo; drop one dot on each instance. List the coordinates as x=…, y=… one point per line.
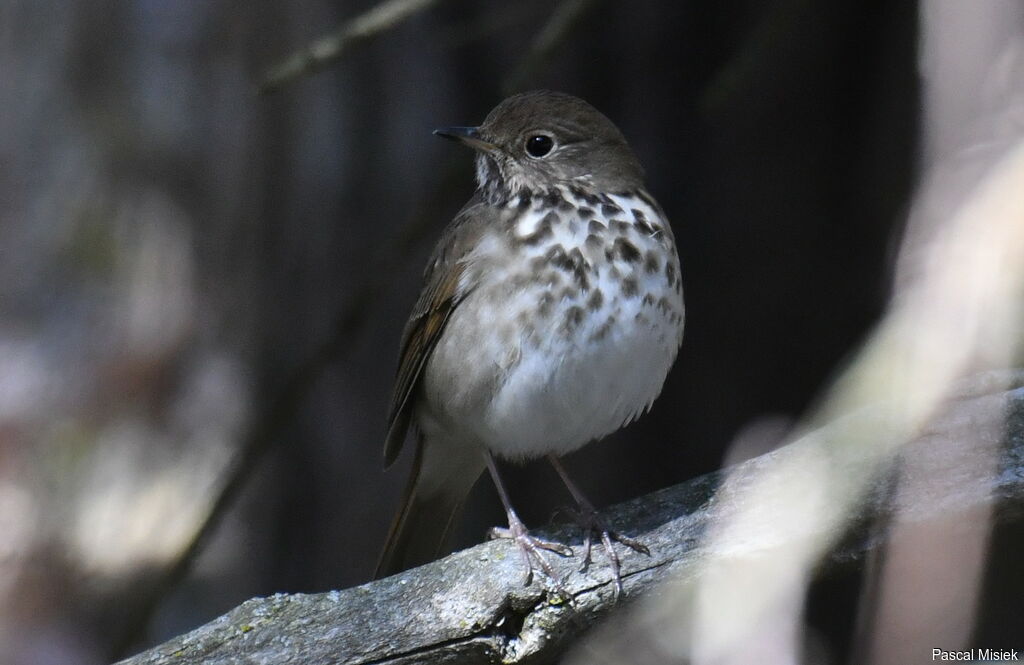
x=441, y=295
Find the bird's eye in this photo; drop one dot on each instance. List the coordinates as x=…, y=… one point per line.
x=539, y=145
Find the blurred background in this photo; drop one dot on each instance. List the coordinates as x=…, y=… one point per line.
x=193, y=274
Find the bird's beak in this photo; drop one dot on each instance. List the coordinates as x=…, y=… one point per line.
x=467, y=135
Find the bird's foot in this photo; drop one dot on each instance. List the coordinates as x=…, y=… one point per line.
x=530, y=548
x=591, y=522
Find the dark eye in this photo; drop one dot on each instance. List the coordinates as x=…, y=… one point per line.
x=539, y=145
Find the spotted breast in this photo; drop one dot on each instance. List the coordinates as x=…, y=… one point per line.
x=575, y=319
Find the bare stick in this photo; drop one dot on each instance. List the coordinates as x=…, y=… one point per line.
x=326, y=50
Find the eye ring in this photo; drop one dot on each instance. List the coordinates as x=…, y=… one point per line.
x=539, y=146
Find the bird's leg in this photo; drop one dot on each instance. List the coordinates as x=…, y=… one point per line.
x=591, y=521
x=529, y=546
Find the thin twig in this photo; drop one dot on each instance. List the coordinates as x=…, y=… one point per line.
x=552, y=34
x=326, y=50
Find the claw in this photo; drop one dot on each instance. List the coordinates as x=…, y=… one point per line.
x=587, y=517
x=530, y=548
x=591, y=522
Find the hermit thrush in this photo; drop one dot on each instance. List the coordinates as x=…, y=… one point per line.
x=551, y=313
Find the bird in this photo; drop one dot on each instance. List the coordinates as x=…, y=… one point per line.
x=550, y=314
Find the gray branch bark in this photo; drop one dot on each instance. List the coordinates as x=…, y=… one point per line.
x=472, y=606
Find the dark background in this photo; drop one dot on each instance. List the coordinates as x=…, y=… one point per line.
x=175, y=246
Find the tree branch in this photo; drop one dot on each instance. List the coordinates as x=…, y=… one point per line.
x=472, y=607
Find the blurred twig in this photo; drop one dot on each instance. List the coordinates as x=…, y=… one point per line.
x=390, y=13
x=327, y=49
x=552, y=34
x=471, y=607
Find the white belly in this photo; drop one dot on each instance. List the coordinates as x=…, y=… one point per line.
x=568, y=393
